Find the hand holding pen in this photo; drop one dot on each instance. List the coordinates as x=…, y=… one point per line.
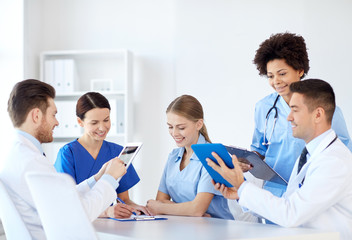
x=122, y=210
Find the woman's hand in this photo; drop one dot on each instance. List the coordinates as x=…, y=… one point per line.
x=120, y=210
x=140, y=210
x=153, y=206
x=244, y=164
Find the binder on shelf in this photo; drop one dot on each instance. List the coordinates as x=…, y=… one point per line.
x=49, y=72
x=113, y=114
x=69, y=75
x=101, y=85
x=120, y=115
x=59, y=75
x=68, y=125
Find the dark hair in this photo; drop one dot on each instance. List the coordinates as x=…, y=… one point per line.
x=317, y=93
x=190, y=108
x=25, y=96
x=287, y=46
x=89, y=101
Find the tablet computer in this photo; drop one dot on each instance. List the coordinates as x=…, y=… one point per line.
x=203, y=151
x=260, y=168
x=129, y=152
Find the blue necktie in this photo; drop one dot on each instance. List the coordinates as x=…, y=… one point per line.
x=302, y=159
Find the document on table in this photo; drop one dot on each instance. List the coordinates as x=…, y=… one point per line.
x=139, y=218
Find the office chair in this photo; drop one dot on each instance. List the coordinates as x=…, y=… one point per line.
x=13, y=224
x=59, y=206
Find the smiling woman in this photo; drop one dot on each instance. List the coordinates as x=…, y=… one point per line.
x=83, y=157
x=185, y=187
x=283, y=58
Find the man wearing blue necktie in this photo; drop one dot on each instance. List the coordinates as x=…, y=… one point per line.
x=319, y=192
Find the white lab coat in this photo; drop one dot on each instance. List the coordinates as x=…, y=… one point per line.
x=24, y=157
x=323, y=202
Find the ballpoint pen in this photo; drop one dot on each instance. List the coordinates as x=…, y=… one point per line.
x=121, y=201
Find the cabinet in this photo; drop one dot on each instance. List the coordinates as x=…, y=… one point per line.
x=72, y=74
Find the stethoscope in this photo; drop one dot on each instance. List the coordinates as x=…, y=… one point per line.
x=266, y=121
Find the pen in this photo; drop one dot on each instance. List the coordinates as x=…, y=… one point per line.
x=121, y=201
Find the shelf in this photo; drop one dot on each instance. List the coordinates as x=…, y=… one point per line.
x=76, y=72
x=76, y=95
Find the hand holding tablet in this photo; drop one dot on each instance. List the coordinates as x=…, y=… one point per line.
x=128, y=153
x=203, y=151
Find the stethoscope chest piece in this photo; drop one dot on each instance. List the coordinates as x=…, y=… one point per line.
x=273, y=108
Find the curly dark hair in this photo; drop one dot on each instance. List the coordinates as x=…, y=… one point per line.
x=287, y=46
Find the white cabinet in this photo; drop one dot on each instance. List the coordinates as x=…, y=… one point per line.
x=73, y=73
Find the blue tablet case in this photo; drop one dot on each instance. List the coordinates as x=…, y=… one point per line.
x=204, y=151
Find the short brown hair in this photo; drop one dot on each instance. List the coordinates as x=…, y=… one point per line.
x=89, y=101
x=317, y=93
x=25, y=96
x=189, y=107
x=287, y=46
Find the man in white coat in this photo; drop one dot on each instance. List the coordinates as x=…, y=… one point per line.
x=32, y=110
x=319, y=192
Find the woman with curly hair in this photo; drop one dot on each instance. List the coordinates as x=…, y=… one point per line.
x=283, y=59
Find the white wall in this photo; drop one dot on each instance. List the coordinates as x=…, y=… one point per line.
x=204, y=48
x=11, y=60
x=216, y=44
x=143, y=28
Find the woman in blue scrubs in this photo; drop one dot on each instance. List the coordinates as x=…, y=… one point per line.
x=83, y=157
x=185, y=187
x=283, y=59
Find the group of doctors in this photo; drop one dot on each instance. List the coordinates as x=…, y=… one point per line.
x=186, y=187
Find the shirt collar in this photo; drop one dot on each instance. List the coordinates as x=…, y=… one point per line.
x=31, y=139
x=312, y=145
x=285, y=106
x=201, y=139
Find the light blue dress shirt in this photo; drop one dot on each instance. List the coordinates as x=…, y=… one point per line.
x=183, y=186
x=284, y=149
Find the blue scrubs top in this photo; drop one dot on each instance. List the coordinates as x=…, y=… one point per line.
x=183, y=186
x=75, y=160
x=284, y=149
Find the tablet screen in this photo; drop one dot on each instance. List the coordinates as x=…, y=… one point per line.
x=128, y=153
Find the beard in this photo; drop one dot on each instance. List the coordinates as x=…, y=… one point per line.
x=44, y=132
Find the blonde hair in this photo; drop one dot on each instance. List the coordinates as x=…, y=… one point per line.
x=189, y=107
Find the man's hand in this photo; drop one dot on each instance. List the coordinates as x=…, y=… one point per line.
x=116, y=168
x=229, y=193
x=233, y=176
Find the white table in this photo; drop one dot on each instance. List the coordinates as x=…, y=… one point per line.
x=183, y=228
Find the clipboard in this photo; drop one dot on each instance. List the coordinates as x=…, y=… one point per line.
x=260, y=168
x=139, y=218
x=204, y=151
